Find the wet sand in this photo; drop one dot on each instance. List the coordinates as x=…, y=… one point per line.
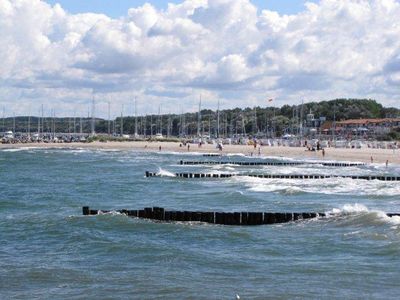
x=358, y=155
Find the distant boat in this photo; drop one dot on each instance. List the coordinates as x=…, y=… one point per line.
x=9, y=135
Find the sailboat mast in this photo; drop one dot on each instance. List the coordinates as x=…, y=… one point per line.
x=4, y=119
x=74, y=124
x=42, y=120
x=301, y=118
x=136, y=123
x=29, y=123
x=38, y=127
x=255, y=120
x=93, y=116
x=183, y=124
x=243, y=126
x=144, y=131
x=169, y=125
x=54, y=124
x=334, y=121
x=199, y=118
x=159, y=120
x=14, y=124
x=109, y=117
x=218, y=120
x=151, y=126
x=122, y=120
x=108, y=123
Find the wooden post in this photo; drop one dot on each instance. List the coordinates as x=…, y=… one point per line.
x=85, y=210
x=244, y=218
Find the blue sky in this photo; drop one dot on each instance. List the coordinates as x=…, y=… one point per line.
x=118, y=8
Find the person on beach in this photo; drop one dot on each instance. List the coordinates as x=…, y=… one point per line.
x=159, y=148
x=188, y=147
x=323, y=152
x=387, y=163
x=372, y=159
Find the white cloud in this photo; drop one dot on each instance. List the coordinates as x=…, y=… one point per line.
x=220, y=48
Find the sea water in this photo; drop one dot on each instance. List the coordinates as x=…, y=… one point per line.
x=48, y=250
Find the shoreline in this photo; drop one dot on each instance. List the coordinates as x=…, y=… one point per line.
x=337, y=154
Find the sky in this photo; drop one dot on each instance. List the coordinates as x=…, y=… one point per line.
x=118, y=8
x=64, y=53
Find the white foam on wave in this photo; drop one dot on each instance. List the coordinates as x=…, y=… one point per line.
x=236, y=154
x=278, y=158
x=164, y=173
x=111, y=213
x=78, y=150
x=361, y=210
x=111, y=150
x=228, y=167
x=348, y=209
x=188, y=153
x=328, y=186
x=313, y=169
x=19, y=149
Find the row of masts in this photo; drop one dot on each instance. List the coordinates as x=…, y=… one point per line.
x=142, y=130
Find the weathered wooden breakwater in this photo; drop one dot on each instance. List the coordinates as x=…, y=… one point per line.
x=221, y=218
x=274, y=176
x=263, y=163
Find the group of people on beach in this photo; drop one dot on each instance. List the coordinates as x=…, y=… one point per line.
x=257, y=147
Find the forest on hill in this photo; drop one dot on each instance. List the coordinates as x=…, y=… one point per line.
x=250, y=120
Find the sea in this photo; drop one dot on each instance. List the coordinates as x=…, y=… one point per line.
x=49, y=250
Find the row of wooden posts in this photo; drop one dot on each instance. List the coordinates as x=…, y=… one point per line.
x=273, y=176
x=264, y=163
x=221, y=218
x=236, y=218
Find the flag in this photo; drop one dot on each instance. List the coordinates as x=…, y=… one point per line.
x=270, y=100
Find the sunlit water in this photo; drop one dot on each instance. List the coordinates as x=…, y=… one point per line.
x=49, y=250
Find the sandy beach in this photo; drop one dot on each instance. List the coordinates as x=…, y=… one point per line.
x=357, y=155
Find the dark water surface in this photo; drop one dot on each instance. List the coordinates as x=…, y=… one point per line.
x=48, y=250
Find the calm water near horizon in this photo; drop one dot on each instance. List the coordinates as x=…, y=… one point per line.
x=48, y=250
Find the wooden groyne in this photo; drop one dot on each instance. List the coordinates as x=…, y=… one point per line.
x=221, y=218
x=274, y=176
x=263, y=163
